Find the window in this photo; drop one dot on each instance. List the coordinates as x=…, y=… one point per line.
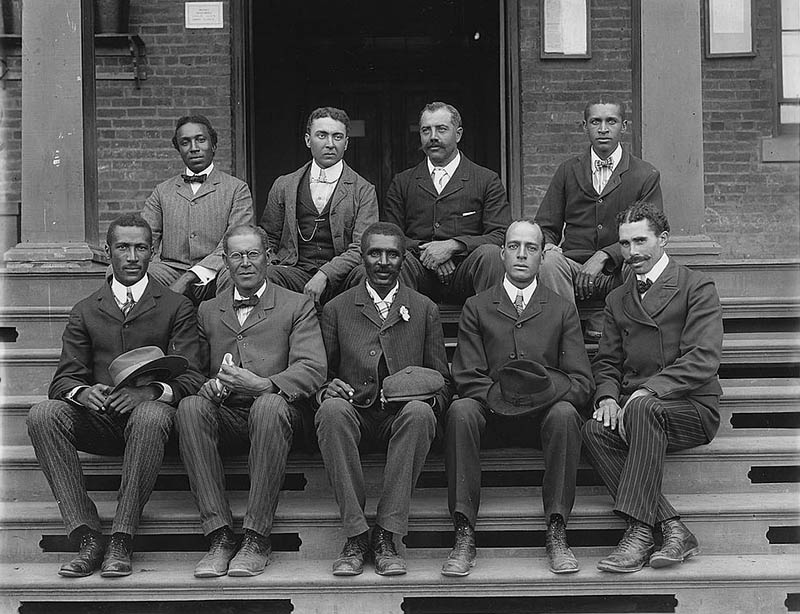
x=789, y=66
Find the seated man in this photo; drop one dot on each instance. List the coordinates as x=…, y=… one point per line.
x=264, y=355
x=657, y=388
x=520, y=370
x=315, y=216
x=581, y=204
x=372, y=331
x=92, y=410
x=190, y=212
x=452, y=212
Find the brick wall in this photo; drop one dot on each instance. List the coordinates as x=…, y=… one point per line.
x=10, y=158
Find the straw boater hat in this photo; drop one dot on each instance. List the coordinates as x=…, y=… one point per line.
x=525, y=386
x=148, y=360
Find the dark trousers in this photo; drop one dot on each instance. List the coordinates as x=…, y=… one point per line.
x=295, y=278
x=58, y=430
x=167, y=275
x=206, y=430
x=406, y=436
x=633, y=471
x=556, y=431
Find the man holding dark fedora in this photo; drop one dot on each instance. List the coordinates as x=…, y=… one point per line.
x=520, y=371
x=106, y=400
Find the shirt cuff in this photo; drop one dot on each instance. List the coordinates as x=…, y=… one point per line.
x=167, y=394
x=204, y=274
x=70, y=396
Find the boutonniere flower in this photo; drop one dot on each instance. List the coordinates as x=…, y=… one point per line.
x=404, y=313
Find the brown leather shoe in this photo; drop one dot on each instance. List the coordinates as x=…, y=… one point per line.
x=632, y=552
x=117, y=561
x=678, y=544
x=462, y=557
x=352, y=557
x=558, y=551
x=253, y=555
x=91, y=546
x=221, y=549
x=387, y=561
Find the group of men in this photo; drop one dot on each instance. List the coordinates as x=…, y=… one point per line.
x=321, y=323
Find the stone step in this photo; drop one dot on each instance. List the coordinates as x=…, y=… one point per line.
x=726, y=465
x=706, y=584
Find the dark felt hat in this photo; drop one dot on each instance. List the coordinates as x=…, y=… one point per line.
x=145, y=361
x=525, y=386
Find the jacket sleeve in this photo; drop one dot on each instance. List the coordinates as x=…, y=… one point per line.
x=75, y=367
x=436, y=357
x=550, y=215
x=394, y=209
x=470, y=363
x=184, y=341
x=496, y=216
x=574, y=362
x=272, y=218
x=153, y=215
x=607, y=363
x=240, y=213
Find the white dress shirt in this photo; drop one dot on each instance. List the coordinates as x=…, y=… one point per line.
x=322, y=187
x=204, y=274
x=654, y=273
x=449, y=170
x=243, y=312
x=387, y=301
x=512, y=291
x=600, y=176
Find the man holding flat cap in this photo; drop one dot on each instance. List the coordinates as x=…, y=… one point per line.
x=521, y=372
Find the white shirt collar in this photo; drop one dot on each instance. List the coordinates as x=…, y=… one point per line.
x=512, y=290
x=332, y=173
x=389, y=297
x=121, y=291
x=450, y=168
x=658, y=268
x=206, y=171
x=259, y=292
x=616, y=156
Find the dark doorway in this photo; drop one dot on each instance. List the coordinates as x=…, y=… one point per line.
x=381, y=62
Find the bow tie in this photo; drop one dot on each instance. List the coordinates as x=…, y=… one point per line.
x=607, y=163
x=643, y=286
x=322, y=180
x=250, y=301
x=194, y=178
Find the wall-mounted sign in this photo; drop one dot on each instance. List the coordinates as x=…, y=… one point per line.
x=729, y=28
x=203, y=15
x=564, y=29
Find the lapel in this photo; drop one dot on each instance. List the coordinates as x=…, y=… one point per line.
x=400, y=299
x=459, y=178
x=290, y=205
x=632, y=303
x=208, y=186
x=662, y=291
x=107, y=303
x=616, y=177
x=146, y=303
x=259, y=313
x=343, y=187
x=505, y=305
x=363, y=301
x=424, y=181
x=583, y=174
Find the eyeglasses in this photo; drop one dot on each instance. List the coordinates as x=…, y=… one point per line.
x=237, y=257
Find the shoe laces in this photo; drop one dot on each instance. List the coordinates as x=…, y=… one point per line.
x=558, y=537
x=634, y=532
x=354, y=547
x=117, y=547
x=221, y=540
x=253, y=544
x=88, y=540
x=384, y=544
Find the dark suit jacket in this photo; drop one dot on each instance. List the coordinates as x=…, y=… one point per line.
x=356, y=338
x=280, y=339
x=588, y=219
x=97, y=332
x=670, y=342
x=472, y=208
x=354, y=206
x=188, y=228
x=490, y=334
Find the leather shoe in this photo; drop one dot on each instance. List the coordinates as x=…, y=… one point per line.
x=387, y=561
x=354, y=553
x=91, y=547
x=253, y=556
x=558, y=551
x=462, y=557
x=221, y=549
x=632, y=552
x=117, y=561
x=678, y=544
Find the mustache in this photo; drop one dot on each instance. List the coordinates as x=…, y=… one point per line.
x=637, y=259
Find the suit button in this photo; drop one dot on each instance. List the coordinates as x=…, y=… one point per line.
x=625, y=332
x=436, y=225
x=599, y=200
x=125, y=325
x=193, y=235
x=599, y=227
x=372, y=352
x=517, y=325
x=383, y=333
x=512, y=355
x=239, y=337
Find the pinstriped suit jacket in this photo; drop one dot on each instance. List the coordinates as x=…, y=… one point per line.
x=188, y=228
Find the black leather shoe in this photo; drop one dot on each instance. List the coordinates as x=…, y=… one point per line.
x=678, y=544
x=253, y=555
x=91, y=546
x=221, y=549
x=352, y=557
x=387, y=561
x=558, y=551
x=633, y=551
x=462, y=557
x=117, y=561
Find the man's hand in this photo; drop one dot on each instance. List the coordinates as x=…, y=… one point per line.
x=93, y=397
x=126, y=399
x=445, y=272
x=585, y=279
x=214, y=391
x=338, y=389
x=548, y=247
x=608, y=412
x=243, y=381
x=316, y=286
x=183, y=282
x=435, y=253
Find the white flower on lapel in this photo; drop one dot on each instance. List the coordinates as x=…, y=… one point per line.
x=404, y=313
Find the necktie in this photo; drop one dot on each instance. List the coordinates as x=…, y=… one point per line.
x=128, y=304
x=194, y=178
x=250, y=301
x=383, y=308
x=607, y=163
x=438, y=176
x=519, y=303
x=643, y=286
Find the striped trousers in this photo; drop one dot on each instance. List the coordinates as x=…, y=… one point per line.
x=58, y=430
x=633, y=471
x=206, y=430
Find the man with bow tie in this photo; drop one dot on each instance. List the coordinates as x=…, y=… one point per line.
x=578, y=212
x=263, y=353
x=315, y=216
x=657, y=388
x=190, y=212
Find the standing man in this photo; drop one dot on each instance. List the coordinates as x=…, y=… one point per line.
x=578, y=212
x=264, y=353
x=452, y=212
x=88, y=410
x=315, y=215
x=375, y=330
x=521, y=370
x=190, y=212
x=657, y=388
